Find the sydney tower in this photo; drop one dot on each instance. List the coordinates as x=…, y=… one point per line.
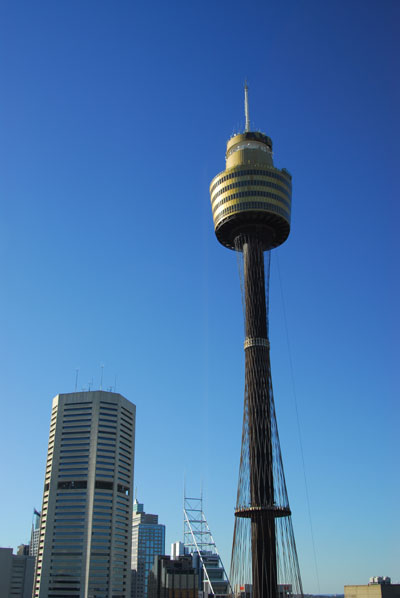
x=251, y=206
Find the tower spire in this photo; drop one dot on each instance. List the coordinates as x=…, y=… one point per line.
x=246, y=107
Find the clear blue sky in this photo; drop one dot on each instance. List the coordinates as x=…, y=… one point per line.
x=114, y=119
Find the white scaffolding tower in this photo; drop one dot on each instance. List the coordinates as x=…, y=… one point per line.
x=200, y=544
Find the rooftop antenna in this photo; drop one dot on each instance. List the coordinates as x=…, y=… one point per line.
x=101, y=376
x=184, y=500
x=246, y=107
x=76, y=379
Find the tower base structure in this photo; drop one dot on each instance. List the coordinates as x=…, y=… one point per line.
x=264, y=551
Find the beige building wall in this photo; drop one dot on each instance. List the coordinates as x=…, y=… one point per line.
x=375, y=590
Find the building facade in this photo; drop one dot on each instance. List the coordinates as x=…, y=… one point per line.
x=378, y=587
x=85, y=529
x=16, y=574
x=148, y=541
x=35, y=533
x=173, y=578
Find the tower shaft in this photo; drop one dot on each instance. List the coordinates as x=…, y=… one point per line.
x=257, y=385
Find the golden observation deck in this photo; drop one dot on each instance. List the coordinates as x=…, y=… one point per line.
x=251, y=195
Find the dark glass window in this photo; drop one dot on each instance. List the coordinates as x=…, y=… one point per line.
x=72, y=484
x=103, y=485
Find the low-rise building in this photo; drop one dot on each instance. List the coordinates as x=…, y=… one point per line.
x=378, y=587
x=16, y=574
x=173, y=578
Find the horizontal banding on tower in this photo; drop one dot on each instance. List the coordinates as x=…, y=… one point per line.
x=256, y=342
x=253, y=512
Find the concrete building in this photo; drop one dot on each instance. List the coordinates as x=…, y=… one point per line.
x=148, y=541
x=85, y=528
x=16, y=574
x=378, y=587
x=173, y=578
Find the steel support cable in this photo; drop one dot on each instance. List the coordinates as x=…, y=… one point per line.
x=298, y=422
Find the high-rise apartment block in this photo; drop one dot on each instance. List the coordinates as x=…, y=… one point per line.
x=85, y=530
x=148, y=541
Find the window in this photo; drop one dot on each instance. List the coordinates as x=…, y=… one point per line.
x=72, y=485
x=123, y=489
x=104, y=485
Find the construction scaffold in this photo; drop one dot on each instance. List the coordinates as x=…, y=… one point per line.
x=199, y=542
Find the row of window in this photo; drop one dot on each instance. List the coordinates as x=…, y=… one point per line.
x=127, y=418
x=242, y=194
x=76, y=468
x=126, y=429
x=127, y=444
x=74, y=442
x=60, y=533
x=106, y=434
x=71, y=519
x=103, y=425
x=68, y=544
x=248, y=183
x=239, y=173
x=254, y=205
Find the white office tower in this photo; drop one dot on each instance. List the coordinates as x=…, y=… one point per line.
x=85, y=530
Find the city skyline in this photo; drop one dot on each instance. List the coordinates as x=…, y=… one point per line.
x=113, y=122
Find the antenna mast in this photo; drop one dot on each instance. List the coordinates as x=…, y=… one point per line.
x=76, y=379
x=246, y=107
